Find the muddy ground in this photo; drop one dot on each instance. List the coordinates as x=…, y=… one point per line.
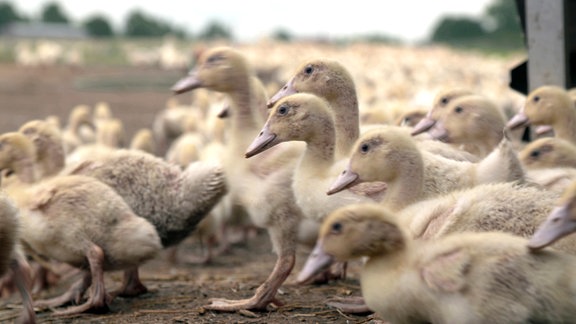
x=177, y=291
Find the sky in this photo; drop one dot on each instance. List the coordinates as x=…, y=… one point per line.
x=409, y=20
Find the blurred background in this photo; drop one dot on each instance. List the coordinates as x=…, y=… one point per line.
x=55, y=55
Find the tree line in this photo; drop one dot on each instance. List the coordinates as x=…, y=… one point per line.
x=137, y=23
x=498, y=27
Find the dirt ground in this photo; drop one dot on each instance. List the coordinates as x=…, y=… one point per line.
x=177, y=291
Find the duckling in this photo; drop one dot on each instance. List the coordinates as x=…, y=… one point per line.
x=307, y=117
x=168, y=124
x=12, y=258
x=103, y=237
x=548, y=152
x=79, y=130
x=174, y=201
x=143, y=140
x=560, y=222
x=186, y=148
x=226, y=70
x=47, y=140
x=330, y=80
x=453, y=279
x=81, y=230
x=473, y=123
x=389, y=154
x=111, y=133
x=548, y=105
x=442, y=99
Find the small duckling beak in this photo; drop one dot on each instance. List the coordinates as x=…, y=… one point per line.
x=264, y=141
x=544, y=129
x=557, y=225
x=189, y=82
x=286, y=90
x=423, y=125
x=345, y=180
x=518, y=120
x=317, y=262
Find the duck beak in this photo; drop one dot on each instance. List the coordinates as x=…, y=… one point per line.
x=557, y=225
x=286, y=90
x=317, y=262
x=264, y=141
x=423, y=125
x=345, y=180
x=189, y=82
x=518, y=120
x=544, y=129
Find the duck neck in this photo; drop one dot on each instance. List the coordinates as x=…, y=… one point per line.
x=320, y=149
x=347, y=121
x=25, y=170
x=406, y=187
x=243, y=124
x=566, y=127
x=52, y=161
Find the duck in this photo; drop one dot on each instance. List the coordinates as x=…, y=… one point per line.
x=187, y=196
x=328, y=79
x=226, y=70
x=560, y=222
x=168, y=123
x=548, y=105
x=307, y=117
x=453, y=279
x=473, y=123
x=47, y=140
x=548, y=152
x=390, y=154
x=81, y=231
x=143, y=140
x=172, y=199
x=12, y=259
x=79, y=130
x=186, y=148
x=440, y=101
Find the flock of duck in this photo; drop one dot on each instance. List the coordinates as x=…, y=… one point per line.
x=455, y=219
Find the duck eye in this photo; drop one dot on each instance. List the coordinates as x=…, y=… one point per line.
x=536, y=98
x=336, y=228
x=535, y=154
x=364, y=148
x=458, y=109
x=214, y=58
x=282, y=110
x=309, y=69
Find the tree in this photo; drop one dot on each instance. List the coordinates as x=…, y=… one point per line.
x=282, y=35
x=215, y=30
x=98, y=26
x=504, y=16
x=141, y=25
x=53, y=14
x=8, y=14
x=451, y=29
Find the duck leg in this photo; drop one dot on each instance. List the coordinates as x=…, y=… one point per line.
x=350, y=305
x=283, y=237
x=97, y=299
x=74, y=293
x=131, y=285
x=22, y=279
